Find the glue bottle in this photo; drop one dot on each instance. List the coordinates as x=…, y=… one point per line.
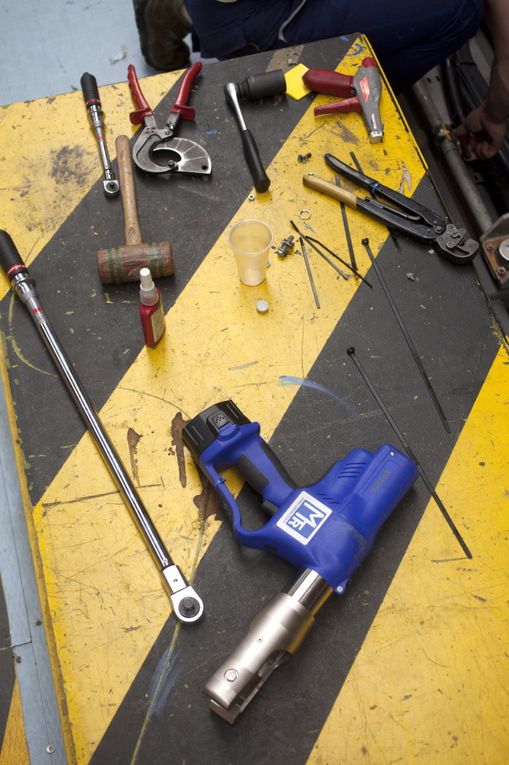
x=151, y=309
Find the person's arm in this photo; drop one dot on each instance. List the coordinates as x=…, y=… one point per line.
x=484, y=129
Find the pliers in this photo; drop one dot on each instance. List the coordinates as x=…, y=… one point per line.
x=404, y=214
x=184, y=155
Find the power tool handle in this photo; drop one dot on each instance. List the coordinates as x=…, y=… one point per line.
x=328, y=82
x=10, y=259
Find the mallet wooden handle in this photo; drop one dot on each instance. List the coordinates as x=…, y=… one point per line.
x=117, y=265
x=336, y=192
x=128, y=190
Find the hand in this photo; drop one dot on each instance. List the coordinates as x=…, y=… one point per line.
x=480, y=135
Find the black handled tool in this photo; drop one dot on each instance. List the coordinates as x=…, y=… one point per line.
x=187, y=605
x=261, y=181
x=91, y=96
x=404, y=214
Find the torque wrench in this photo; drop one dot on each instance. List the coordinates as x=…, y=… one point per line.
x=187, y=605
x=91, y=96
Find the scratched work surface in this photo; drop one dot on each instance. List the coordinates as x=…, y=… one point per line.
x=409, y=665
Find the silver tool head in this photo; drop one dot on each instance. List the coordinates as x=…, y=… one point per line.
x=178, y=155
x=111, y=187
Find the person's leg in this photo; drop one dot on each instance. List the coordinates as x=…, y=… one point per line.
x=408, y=37
x=162, y=26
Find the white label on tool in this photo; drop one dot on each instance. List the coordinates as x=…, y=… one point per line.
x=305, y=516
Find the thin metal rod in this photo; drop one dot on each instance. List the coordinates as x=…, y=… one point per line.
x=308, y=269
x=406, y=335
x=311, y=239
x=406, y=446
x=346, y=227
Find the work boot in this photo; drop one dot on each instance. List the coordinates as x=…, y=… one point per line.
x=162, y=26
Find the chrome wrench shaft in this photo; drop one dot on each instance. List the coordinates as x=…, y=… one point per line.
x=187, y=605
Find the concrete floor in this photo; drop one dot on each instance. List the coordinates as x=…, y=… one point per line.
x=47, y=45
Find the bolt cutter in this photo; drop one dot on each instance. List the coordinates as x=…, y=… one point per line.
x=404, y=214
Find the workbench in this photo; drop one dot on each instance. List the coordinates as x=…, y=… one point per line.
x=410, y=664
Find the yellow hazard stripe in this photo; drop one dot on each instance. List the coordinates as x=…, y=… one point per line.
x=430, y=683
x=49, y=152
x=106, y=598
x=13, y=747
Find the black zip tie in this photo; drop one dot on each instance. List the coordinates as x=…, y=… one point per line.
x=308, y=269
x=321, y=254
x=348, y=235
x=335, y=255
x=407, y=337
x=351, y=352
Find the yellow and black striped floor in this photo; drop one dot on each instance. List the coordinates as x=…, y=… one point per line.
x=411, y=664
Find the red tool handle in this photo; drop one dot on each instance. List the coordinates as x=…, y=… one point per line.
x=180, y=105
x=339, y=107
x=143, y=109
x=328, y=82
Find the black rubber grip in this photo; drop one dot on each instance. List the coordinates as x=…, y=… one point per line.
x=10, y=259
x=262, y=85
x=89, y=87
x=260, y=180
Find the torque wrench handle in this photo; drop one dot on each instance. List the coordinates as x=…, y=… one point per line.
x=93, y=103
x=261, y=181
x=187, y=605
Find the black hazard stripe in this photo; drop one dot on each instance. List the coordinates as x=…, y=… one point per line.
x=102, y=335
x=163, y=717
x=7, y=674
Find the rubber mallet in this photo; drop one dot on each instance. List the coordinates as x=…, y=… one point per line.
x=122, y=264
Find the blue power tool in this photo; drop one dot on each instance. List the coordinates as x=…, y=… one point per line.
x=325, y=529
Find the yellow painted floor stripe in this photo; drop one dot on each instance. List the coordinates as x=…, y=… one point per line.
x=431, y=682
x=13, y=748
x=49, y=159
x=106, y=599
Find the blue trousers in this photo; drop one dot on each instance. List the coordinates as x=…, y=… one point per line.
x=408, y=36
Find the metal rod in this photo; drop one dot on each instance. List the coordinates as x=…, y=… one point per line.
x=406, y=446
x=308, y=269
x=406, y=335
x=346, y=227
x=310, y=240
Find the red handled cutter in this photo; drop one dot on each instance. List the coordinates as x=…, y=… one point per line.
x=160, y=150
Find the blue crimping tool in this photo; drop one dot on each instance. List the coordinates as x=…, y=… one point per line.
x=325, y=530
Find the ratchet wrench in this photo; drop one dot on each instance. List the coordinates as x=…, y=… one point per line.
x=111, y=186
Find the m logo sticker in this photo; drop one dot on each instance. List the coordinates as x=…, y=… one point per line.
x=305, y=516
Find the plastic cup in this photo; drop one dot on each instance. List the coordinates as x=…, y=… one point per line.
x=250, y=241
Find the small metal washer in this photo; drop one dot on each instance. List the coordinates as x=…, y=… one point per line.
x=262, y=306
x=305, y=214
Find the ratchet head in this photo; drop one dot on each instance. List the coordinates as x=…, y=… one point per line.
x=111, y=187
x=187, y=604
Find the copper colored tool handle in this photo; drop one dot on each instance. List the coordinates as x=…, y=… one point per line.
x=128, y=191
x=336, y=192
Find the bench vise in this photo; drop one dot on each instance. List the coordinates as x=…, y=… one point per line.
x=325, y=530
